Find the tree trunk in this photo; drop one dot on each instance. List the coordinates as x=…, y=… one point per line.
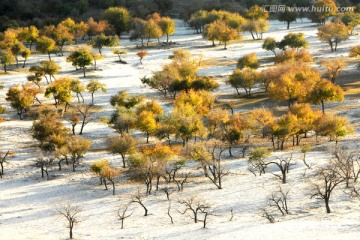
x=84, y=71
x=323, y=106
x=327, y=206
x=49, y=56
x=288, y=25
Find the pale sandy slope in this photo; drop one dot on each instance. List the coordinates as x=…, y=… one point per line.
x=27, y=202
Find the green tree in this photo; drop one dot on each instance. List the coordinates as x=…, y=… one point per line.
x=45, y=45
x=60, y=89
x=6, y=58
x=288, y=16
x=293, y=40
x=152, y=30
x=118, y=18
x=95, y=86
x=248, y=61
x=333, y=126
x=77, y=147
x=122, y=99
x=270, y=44
x=350, y=19
x=50, y=68
x=25, y=53
x=81, y=58
x=119, y=52
x=245, y=79
x=101, y=41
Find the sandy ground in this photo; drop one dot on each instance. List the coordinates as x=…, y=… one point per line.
x=28, y=203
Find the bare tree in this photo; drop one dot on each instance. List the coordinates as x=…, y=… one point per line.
x=3, y=157
x=284, y=165
x=346, y=162
x=43, y=163
x=194, y=206
x=180, y=183
x=305, y=149
x=168, y=192
x=209, y=156
x=232, y=214
x=138, y=199
x=328, y=179
x=268, y=216
x=168, y=213
x=70, y=212
x=122, y=215
x=278, y=200
x=85, y=113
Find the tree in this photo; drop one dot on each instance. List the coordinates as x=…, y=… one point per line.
x=292, y=56
x=288, y=16
x=70, y=212
x=25, y=53
x=46, y=128
x=85, y=113
x=333, y=67
x=222, y=32
x=122, y=99
x=248, y=61
x=293, y=83
x=138, y=199
x=77, y=87
x=80, y=58
x=201, y=101
x=257, y=160
x=101, y=41
x=21, y=98
x=123, y=120
x=110, y=174
x=146, y=123
x=118, y=18
x=256, y=28
x=167, y=26
x=333, y=33
x=60, y=90
x=355, y=51
x=325, y=91
x=350, y=19
x=270, y=44
x=263, y=118
x=142, y=55
x=293, y=40
x=245, y=79
x=95, y=86
x=279, y=200
x=29, y=34
x=209, y=156
x=328, y=178
x=123, y=145
x=333, y=126
x=285, y=127
x=256, y=12
x=119, y=52
x=3, y=159
x=61, y=34
x=152, y=30
x=45, y=45
x=195, y=206
x=95, y=28
x=122, y=216
x=16, y=50
x=284, y=165
x=43, y=163
x=320, y=15
x=77, y=147
x=6, y=58
x=50, y=68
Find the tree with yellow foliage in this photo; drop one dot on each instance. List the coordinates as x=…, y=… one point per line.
x=333, y=33
x=333, y=67
x=324, y=91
